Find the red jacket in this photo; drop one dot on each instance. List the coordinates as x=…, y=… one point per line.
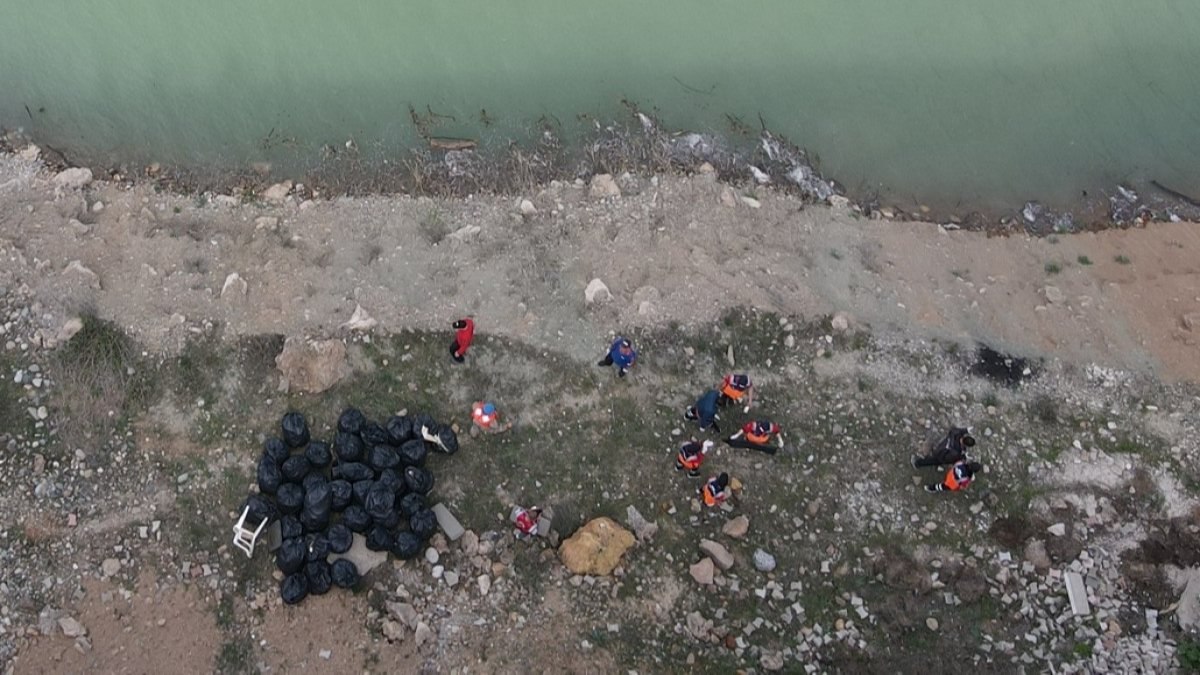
x=464, y=336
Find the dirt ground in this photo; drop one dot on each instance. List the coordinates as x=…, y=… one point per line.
x=1100, y=436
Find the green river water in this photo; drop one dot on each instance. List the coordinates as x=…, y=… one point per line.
x=950, y=101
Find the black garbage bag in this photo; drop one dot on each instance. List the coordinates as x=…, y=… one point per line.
x=379, y=539
x=425, y=421
x=418, y=480
x=359, y=491
x=276, y=449
x=411, y=503
x=349, y=447
x=340, y=538
x=319, y=578
x=383, y=457
x=290, y=527
x=291, y=555
x=351, y=420
x=391, y=521
x=318, y=504
x=355, y=517
x=413, y=453
x=312, y=480
x=373, y=434
x=380, y=502
x=448, y=440
x=344, y=573
x=261, y=508
x=319, y=455
x=290, y=498
x=318, y=546
x=295, y=430
x=353, y=472
x=400, y=429
x=423, y=524
x=269, y=476
x=393, y=480
x=295, y=468
x=342, y=494
x=294, y=588
x=406, y=545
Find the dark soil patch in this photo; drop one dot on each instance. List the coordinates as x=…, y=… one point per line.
x=1174, y=542
x=1001, y=368
x=1012, y=531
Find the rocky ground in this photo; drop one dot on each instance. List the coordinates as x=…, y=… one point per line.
x=141, y=331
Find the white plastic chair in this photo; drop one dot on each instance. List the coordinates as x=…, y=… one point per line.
x=244, y=538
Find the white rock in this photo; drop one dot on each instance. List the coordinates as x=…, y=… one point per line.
x=1057, y=529
x=431, y=555
x=702, y=572
x=1053, y=295
x=931, y=623
x=719, y=554
x=1188, y=611
x=77, y=268
x=840, y=322
x=234, y=285
x=325, y=654
x=71, y=628
x=751, y=202
x=763, y=561
x=759, y=175
x=97, y=207
x=465, y=232
x=485, y=584
x=277, y=192
x=603, y=185
x=597, y=291
x=360, y=320
x=73, y=178
x=839, y=202
x=110, y=567
x=30, y=152
x=527, y=208
x=422, y=634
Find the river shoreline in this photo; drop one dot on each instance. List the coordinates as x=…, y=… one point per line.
x=460, y=168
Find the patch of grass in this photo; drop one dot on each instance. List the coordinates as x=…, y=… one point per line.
x=13, y=419
x=1083, y=260
x=1053, y=267
x=236, y=657
x=1122, y=259
x=103, y=381
x=196, y=373
x=1045, y=409
x=433, y=227
x=176, y=210
x=1189, y=655
x=1082, y=651
x=990, y=400
x=226, y=617
x=835, y=254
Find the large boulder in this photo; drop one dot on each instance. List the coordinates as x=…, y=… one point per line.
x=312, y=366
x=596, y=548
x=1188, y=611
x=719, y=554
x=73, y=178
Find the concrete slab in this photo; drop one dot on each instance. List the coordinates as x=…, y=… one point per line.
x=448, y=522
x=364, y=559
x=1077, y=594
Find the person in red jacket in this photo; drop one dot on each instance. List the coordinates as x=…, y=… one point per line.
x=757, y=436
x=715, y=490
x=691, y=456
x=958, y=478
x=464, y=333
x=526, y=522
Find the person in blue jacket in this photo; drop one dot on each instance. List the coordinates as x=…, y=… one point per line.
x=621, y=355
x=704, y=412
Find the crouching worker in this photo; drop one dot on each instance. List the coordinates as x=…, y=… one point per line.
x=737, y=388
x=757, y=435
x=621, y=355
x=464, y=333
x=715, y=490
x=691, y=456
x=487, y=418
x=704, y=412
x=525, y=522
x=958, y=478
x=950, y=449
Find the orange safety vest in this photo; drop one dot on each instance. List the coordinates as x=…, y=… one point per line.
x=690, y=463
x=710, y=498
x=758, y=440
x=732, y=392
x=482, y=419
x=954, y=483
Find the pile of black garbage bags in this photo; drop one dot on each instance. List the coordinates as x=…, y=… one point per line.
x=371, y=480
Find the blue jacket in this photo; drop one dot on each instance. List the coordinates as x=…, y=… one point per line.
x=706, y=407
x=619, y=359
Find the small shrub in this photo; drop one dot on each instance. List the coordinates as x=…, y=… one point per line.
x=1045, y=409
x=433, y=227
x=1189, y=655
x=1053, y=268
x=1084, y=260
x=1122, y=259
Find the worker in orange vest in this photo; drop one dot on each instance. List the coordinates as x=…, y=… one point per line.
x=958, y=478
x=715, y=490
x=691, y=456
x=757, y=435
x=736, y=387
x=487, y=418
